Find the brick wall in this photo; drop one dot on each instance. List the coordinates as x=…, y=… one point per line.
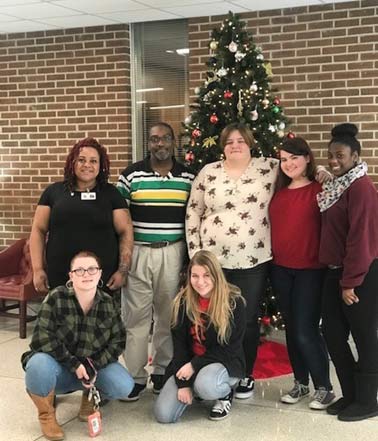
x=55, y=88
x=325, y=65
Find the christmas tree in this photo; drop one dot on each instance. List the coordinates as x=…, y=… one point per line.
x=237, y=88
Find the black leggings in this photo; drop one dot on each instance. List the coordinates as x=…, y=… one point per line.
x=359, y=319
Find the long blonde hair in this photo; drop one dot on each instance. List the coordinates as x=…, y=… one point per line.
x=222, y=299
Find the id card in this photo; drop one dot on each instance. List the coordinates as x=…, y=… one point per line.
x=88, y=195
x=94, y=424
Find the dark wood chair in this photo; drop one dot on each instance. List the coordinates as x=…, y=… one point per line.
x=16, y=283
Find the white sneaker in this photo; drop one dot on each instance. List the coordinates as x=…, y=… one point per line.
x=298, y=392
x=322, y=399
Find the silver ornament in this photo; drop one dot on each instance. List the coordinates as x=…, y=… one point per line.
x=222, y=72
x=239, y=56
x=281, y=125
x=253, y=87
x=213, y=45
x=188, y=119
x=233, y=47
x=254, y=115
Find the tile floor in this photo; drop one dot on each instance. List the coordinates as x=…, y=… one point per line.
x=260, y=418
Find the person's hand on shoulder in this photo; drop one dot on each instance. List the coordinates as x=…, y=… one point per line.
x=322, y=174
x=40, y=281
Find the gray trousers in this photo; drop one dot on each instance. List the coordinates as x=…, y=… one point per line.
x=212, y=382
x=151, y=286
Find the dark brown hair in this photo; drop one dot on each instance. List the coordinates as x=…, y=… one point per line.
x=299, y=147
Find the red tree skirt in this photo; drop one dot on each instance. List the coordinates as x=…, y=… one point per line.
x=272, y=360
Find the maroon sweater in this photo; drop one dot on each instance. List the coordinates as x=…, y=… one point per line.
x=295, y=227
x=349, y=236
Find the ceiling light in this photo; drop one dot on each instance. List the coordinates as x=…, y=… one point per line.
x=183, y=51
x=175, y=106
x=150, y=89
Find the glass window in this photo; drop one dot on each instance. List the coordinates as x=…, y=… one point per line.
x=159, y=79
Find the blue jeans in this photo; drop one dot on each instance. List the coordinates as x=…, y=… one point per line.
x=212, y=382
x=252, y=284
x=44, y=373
x=299, y=293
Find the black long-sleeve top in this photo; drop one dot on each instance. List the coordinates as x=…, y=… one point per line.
x=231, y=354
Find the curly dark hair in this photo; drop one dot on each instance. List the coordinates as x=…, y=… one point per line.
x=69, y=168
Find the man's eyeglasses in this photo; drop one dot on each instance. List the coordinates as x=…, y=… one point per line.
x=92, y=270
x=154, y=139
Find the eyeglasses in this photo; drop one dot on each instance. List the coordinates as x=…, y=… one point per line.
x=92, y=270
x=154, y=139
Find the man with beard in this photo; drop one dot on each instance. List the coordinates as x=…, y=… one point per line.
x=156, y=190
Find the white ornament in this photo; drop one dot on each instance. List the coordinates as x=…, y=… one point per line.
x=239, y=56
x=281, y=125
x=260, y=57
x=222, y=72
x=233, y=47
x=280, y=133
x=254, y=115
x=253, y=87
x=188, y=119
x=197, y=90
x=271, y=128
x=265, y=103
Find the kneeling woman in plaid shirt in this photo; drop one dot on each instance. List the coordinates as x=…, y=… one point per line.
x=208, y=326
x=76, y=343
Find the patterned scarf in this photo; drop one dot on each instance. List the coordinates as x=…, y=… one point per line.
x=334, y=188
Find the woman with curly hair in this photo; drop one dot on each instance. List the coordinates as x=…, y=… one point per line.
x=208, y=325
x=83, y=211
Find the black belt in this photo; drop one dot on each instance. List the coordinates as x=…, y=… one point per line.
x=161, y=244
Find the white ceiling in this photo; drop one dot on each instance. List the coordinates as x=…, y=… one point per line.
x=37, y=15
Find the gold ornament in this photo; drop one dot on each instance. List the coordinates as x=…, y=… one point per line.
x=210, y=141
x=268, y=69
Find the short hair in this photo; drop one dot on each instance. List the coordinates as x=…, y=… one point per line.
x=69, y=168
x=244, y=131
x=296, y=146
x=346, y=134
x=85, y=254
x=166, y=126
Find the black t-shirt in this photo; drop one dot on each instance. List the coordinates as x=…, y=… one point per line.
x=78, y=224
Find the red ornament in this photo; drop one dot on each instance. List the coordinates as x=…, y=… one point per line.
x=196, y=133
x=265, y=320
x=276, y=101
x=228, y=94
x=291, y=135
x=189, y=157
x=214, y=119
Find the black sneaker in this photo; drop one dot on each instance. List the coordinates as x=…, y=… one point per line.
x=245, y=388
x=221, y=408
x=158, y=383
x=135, y=393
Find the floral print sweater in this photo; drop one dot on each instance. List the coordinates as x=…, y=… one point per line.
x=229, y=217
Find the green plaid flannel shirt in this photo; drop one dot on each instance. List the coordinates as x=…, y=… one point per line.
x=67, y=334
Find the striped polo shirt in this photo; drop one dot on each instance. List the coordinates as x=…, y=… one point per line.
x=157, y=203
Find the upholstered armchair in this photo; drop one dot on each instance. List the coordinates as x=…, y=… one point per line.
x=16, y=283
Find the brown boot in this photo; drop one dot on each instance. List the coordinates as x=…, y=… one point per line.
x=46, y=414
x=86, y=407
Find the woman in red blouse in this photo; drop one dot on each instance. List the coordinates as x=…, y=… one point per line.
x=296, y=273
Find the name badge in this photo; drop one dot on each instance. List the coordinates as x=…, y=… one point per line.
x=88, y=196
